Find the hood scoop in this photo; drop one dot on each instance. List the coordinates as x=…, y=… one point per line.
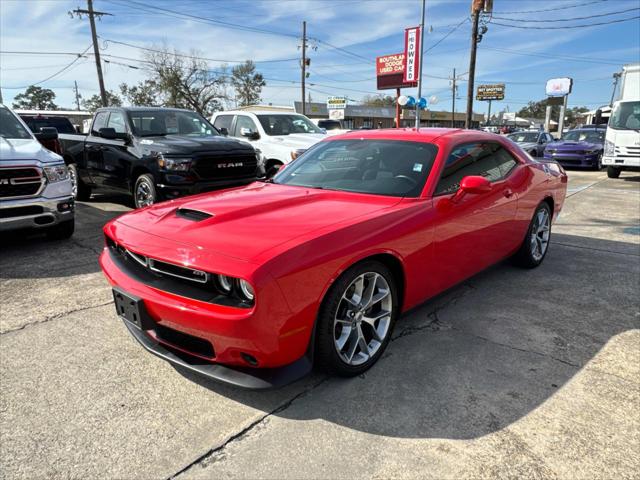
x=192, y=215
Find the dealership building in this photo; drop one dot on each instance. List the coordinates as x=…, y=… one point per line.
x=363, y=116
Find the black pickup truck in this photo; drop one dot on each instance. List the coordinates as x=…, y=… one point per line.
x=156, y=154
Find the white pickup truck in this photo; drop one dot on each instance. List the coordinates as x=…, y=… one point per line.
x=622, y=140
x=35, y=188
x=280, y=136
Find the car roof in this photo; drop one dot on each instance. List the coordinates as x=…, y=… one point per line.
x=140, y=109
x=256, y=112
x=420, y=135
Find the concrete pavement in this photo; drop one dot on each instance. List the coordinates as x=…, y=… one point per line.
x=515, y=373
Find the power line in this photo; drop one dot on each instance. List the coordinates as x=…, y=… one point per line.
x=557, y=56
x=568, y=26
x=445, y=36
x=196, y=57
x=63, y=69
x=565, y=19
x=344, y=50
x=553, y=9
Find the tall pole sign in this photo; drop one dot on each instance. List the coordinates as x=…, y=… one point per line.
x=411, y=54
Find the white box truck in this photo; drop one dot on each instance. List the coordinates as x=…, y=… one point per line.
x=622, y=140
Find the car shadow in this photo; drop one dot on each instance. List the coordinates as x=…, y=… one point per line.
x=30, y=254
x=482, y=355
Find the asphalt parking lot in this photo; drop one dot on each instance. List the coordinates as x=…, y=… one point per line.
x=528, y=374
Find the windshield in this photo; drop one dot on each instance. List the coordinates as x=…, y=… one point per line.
x=591, y=136
x=10, y=126
x=380, y=167
x=152, y=123
x=286, y=124
x=625, y=116
x=524, y=137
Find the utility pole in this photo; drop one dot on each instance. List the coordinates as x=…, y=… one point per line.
x=76, y=94
x=476, y=6
x=418, y=113
x=616, y=77
x=453, y=99
x=304, y=63
x=91, y=13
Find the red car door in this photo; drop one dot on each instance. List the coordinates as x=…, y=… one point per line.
x=473, y=231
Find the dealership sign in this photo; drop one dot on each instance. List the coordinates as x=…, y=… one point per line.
x=336, y=103
x=559, y=87
x=390, y=72
x=490, y=92
x=412, y=54
x=336, y=114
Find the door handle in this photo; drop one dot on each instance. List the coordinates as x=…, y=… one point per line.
x=507, y=192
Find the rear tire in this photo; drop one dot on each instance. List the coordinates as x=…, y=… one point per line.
x=536, y=243
x=613, y=172
x=356, y=319
x=62, y=231
x=145, y=192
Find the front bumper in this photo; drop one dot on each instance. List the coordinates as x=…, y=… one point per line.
x=38, y=212
x=172, y=189
x=574, y=160
x=631, y=162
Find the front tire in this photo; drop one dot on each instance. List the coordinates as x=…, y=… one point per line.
x=598, y=165
x=356, y=319
x=536, y=243
x=613, y=172
x=145, y=192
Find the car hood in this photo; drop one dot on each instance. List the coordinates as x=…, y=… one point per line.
x=184, y=144
x=25, y=149
x=527, y=145
x=297, y=140
x=571, y=145
x=247, y=221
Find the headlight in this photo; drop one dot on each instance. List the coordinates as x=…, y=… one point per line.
x=225, y=283
x=591, y=152
x=174, y=164
x=259, y=157
x=609, y=148
x=296, y=153
x=56, y=173
x=246, y=290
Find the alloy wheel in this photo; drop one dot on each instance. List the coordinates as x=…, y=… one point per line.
x=144, y=195
x=73, y=176
x=540, y=233
x=363, y=317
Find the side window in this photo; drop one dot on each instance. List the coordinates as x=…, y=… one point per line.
x=469, y=159
x=223, y=121
x=242, y=121
x=505, y=161
x=99, y=122
x=116, y=121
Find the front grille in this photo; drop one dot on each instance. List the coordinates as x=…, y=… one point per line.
x=20, y=211
x=184, y=341
x=631, y=152
x=224, y=166
x=20, y=182
x=168, y=277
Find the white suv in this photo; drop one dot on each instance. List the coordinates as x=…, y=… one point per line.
x=280, y=136
x=35, y=188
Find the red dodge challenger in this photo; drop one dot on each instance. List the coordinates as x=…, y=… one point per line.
x=253, y=285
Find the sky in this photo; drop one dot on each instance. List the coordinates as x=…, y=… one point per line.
x=345, y=36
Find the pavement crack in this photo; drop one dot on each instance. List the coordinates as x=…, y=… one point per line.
x=594, y=249
x=55, y=317
x=204, y=458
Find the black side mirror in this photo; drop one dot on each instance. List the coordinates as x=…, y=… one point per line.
x=111, y=134
x=47, y=133
x=598, y=118
x=223, y=131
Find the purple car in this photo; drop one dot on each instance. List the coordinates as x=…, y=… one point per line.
x=578, y=148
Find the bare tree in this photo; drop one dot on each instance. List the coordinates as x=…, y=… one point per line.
x=185, y=81
x=247, y=83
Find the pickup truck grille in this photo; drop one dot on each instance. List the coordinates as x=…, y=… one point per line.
x=220, y=166
x=20, y=182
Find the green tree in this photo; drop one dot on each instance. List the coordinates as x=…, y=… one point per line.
x=185, y=81
x=247, y=83
x=144, y=94
x=94, y=102
x=35, y=98
x=380, y=100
